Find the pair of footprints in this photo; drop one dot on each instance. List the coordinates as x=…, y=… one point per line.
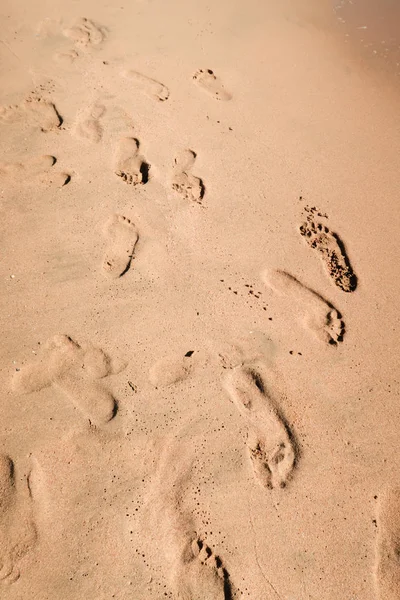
x=132, y=168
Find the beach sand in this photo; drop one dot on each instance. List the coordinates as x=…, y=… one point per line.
x=199, y=266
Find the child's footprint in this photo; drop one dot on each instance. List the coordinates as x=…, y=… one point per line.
x=320, y=316
x=270, y=442
x=17, y=530
x=182, y=181
x=387, y=567
x=332, y=252
x=151, y=87
x=88, y=126
x=122, y=237
x=210, y=83
x=129, y=165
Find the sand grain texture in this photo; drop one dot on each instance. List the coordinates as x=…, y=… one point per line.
x=198, y=302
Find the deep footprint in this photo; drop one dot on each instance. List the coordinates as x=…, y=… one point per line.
x=387, y=565
x=210, y=83
x=122, y=237
x=183, y=182
x=74, y=370
x=270, y=442
x=151, y=87
x=129, y=165
x=332, y=253
x=17, y=530
x=319, y=315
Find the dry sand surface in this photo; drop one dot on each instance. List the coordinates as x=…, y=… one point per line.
x=199, y=303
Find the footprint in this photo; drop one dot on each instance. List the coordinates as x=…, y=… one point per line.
x=35, y=111
x=387, y=566
x=332, y=253
x=122, y=237
x=85, y=33
x=129, y=165
x=74, y=370
x=195, y=572
x=168, y=371
x=152, y=88
x=200, y=574
x=37, y=170
x=320, y=316
x=210, y=83
x=270, y=442
x=182, y=181
x=17, y=530
x=88, y=126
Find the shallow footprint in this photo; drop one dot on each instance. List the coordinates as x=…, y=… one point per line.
x=33, y=171
x=73, y=369
x=332, y=253
x=320, y=316
x=270, y=442
x=387, y=566
x=151, y=87
x=182, y=181
x=129, y=165
x=88, y=126
x=122, y=237
x=34, y=111
x=210, y=83
x=17, y=530
x=85, y=33
x=168, y=371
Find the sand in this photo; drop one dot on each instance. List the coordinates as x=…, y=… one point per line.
x=199, y=267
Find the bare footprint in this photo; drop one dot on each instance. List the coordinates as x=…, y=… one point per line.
x=74, y=370
x=210, y=83
x=17, y=530
x=33, y=171
x=332, y=253
x=88, y=126
x=195, y=572
x=85, y=33
x=270, y=442
x=319, y=315
x=168, y=371
x=182, y=181
x=199, y=574
x=35, y=111
x=152, y=88
x=129, y=165
x=122, y=237
x=387, y=565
